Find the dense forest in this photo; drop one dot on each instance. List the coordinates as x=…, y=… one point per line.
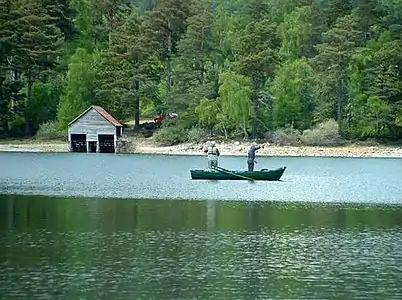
x=232, y=68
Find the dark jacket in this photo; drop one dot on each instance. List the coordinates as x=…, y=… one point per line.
x=251, y=152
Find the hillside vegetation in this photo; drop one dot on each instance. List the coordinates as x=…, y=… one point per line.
x=295, y=71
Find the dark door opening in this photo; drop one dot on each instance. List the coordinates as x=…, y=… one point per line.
x=92, y=147
x=78, y=142
x=106, y=143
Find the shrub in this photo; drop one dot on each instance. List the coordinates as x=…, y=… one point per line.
x=323, y=134
x=49, y=131
x=169, y=136
x=284, y=137
x=127, y=145
x=197, y=135
x=17, y=127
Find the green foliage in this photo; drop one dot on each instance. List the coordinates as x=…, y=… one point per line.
x=256, y=55
x=197, y=135
x=207, y=112
x=323, y=134
x=170, y=135
x=78, y=87
x=43, y=107
x=285, y=137
x=332, y=61
x=375, y=89
x=295, y=31
x=230, y=67
x=293, y=94
x=194, y=63
x=235, y=101
x=17, y=125
x=50, y=131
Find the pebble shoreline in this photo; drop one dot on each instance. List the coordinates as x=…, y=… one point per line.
x=232, y=149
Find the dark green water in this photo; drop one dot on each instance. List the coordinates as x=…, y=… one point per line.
x=92, y=248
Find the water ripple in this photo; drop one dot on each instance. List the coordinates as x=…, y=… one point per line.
x=303, y=264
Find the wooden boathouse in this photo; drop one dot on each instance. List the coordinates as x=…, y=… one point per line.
x=95, y=130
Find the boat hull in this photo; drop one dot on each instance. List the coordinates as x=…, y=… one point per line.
x=264, y=175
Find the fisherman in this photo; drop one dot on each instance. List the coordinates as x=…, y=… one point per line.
x=251, y=156
x=212, y=153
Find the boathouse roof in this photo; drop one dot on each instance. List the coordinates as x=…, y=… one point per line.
x=100, y=111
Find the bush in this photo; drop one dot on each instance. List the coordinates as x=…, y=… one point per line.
x=127, y=145
x=49, y=131
x=17, y=127
x=197, y=135
x=284, y=137
x=171, y=135
x=324, y=134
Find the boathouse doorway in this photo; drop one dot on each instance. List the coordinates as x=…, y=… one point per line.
x=106, y=143
x=78, y=142
x=92, y=146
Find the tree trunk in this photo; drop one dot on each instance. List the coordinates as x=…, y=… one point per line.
x=28, y=128
x=169, y=64
x=136, y=106
x=202, y=60
x=339, y=102
x=3, y=111
x=5, y=125
x=255, y=106
x=225, y=132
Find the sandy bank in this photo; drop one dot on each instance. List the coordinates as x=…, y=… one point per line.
x=147, y=146
x=242, y=148
x=33, y=147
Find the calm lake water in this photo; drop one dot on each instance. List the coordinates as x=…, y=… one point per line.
x=78, y=226
x=168, y=177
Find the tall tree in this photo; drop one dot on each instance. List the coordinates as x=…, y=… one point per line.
x=164, y=27
x=194, y=57
x=296, y=31
x=84, y=23
x=39, y=43
x=107, y=16
x=375, y=89
x=293, y=94
x=78, y=91
x=332, y=61
x=235, y=93
x=8, y=88
x=257, y=57
x=334, y=9
x=62, y=14
x=127, y=66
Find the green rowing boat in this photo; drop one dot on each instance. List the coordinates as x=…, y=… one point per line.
x=223, y=174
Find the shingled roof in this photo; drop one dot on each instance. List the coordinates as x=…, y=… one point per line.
x=102, y=112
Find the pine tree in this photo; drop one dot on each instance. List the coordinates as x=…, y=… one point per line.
x=78, y=87
x=10, y=83
x=39, y=43
x=127, y=66
x=163, y=28
x=375, y=89
x=332, y=61
x=62, y=15
x=256, y=57
x=194, y=58
x=107, y=16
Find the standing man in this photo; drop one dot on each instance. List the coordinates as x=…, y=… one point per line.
x=251, y=156
x=212, y=153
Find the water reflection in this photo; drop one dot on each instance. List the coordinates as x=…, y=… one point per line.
x=66, y=248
